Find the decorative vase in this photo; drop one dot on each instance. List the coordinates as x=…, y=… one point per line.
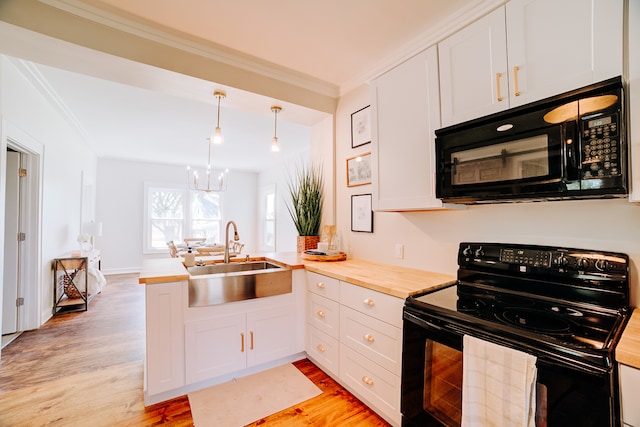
x=307, y=242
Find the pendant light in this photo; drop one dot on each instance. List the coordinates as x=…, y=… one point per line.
x=217, y=138
x=274, y=142
x=220, y=183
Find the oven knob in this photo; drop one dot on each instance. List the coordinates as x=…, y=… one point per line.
x=602, y=265
x=479, y=252
x=466, y=251
x=562, y=260
x=583, y=263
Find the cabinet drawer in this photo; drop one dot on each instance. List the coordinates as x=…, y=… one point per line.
x=324, y=314
x=323, y=349
x=376, y=340
x=373, y=303
x=323, y=285
x=378, y=387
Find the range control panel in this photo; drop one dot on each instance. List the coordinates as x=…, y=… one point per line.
x=542, y=259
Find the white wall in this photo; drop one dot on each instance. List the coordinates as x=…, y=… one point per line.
x=65, y=158
x=120, y=208
x=431, y=239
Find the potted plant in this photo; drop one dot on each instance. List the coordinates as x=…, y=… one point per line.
x=305, y=207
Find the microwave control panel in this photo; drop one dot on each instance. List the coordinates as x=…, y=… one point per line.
x=601, y=147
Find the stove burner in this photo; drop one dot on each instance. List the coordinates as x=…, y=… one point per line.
x=534, y=320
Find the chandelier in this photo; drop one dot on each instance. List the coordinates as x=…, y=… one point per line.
x=220, y=182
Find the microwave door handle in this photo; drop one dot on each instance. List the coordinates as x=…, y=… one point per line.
x=572, y=154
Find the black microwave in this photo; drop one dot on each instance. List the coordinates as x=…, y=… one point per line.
x=570, y=146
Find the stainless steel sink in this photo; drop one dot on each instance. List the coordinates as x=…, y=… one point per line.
x=237, y=281
x=230, y=267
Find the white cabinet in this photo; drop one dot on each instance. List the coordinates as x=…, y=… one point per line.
x=633, y=96
x=405, y=114
x=323, y=322
x=355, y=335
x=528, y=50
x=472, y=63
x=630, y=389
x=164, y=338
x=224, y=344
x=371, y=347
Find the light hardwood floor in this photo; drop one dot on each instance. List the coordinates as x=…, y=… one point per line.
x=86, y=369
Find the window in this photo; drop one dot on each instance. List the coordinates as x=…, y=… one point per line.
x=268, y=214
x=175, y=213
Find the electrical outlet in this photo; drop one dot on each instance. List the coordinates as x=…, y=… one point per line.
x=399, y=250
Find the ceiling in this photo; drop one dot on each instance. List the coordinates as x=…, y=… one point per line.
x=161, y=116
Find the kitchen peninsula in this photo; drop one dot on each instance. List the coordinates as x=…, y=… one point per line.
x=189, y=348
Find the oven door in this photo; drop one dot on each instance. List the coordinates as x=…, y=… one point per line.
x=432, y=380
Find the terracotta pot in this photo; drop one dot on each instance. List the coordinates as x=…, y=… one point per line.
x=307, y=242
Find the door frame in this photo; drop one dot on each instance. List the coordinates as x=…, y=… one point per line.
x=31, y=268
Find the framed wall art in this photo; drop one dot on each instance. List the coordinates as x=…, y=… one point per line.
x=361, y=213
x=361, y=127
x=359, y=170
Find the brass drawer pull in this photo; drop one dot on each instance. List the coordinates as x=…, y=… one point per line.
x=369, y=337
x=321, y=313
x=367, y=380
x=499, y=97
x=516, y=91
x=251, y=340
x=320, y=285
x=369, y=302
x=241, y=342
x=320, y=348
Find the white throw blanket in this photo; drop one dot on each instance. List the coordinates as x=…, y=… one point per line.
x=498, y=385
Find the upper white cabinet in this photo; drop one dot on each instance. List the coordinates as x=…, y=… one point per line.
x=633, y=95
x=528, y=50
x=405, y=114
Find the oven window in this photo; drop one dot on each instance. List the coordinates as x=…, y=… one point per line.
x=443, y=383
x=518, y=159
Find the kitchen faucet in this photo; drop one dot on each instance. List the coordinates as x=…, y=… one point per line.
x=226, y=239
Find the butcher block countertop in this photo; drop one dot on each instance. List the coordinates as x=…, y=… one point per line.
x=393, y=280
x=628, y=349
x=389, y=279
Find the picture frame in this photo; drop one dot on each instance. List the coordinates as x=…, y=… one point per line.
x=361, y=127
x=361, y=213
x=359, y=170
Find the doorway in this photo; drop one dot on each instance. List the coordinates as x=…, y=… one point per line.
x=20, y=222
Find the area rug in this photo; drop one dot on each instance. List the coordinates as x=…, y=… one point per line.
x=244, y=400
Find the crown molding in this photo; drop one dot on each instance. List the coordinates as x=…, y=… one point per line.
x=33, y=75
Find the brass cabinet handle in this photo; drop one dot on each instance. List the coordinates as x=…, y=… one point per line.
x=367, y=380
x=369, y=337
x=251, y=340
x=516, y=91
x=241, y=342
x=369, y=302
x=321, y=313
x=320, y=348
x=499, y=97
x=320, y=285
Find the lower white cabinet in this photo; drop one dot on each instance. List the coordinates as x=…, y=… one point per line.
x=630, y=390
x=224, y=344
x=192, y=347
x=164, y=337
x=355, y=335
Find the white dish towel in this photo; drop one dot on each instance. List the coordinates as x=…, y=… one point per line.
x=498, y=385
